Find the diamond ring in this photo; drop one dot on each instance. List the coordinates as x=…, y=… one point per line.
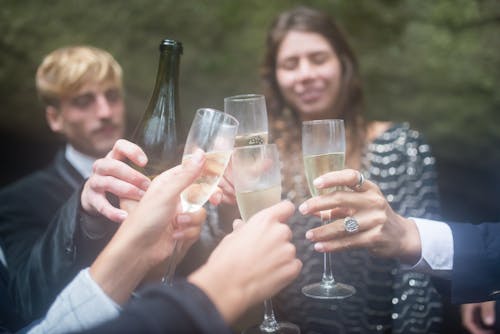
x=351, y=225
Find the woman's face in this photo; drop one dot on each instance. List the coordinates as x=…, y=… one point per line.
x=308, y=73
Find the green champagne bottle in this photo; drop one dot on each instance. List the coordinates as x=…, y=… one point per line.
x=157, y=133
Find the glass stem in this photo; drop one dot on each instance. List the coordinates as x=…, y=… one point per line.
x=327, y=280
x=269, y=324
x=172, y=264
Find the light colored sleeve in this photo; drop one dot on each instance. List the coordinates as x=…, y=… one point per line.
x=81, y=305
x=437, y=248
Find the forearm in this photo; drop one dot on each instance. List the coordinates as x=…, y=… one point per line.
x=119, y=268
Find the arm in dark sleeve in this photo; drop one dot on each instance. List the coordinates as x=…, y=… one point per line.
x=9, y=319
x=476, y=262
x=52, y=256
x=183, y=308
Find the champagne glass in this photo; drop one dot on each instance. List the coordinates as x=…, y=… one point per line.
x=323, y=150
x=250, y=110
x=213, y=132
x=257, y=182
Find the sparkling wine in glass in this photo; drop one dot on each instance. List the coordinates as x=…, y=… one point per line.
x=213, y=132
x=250, y=110
x=257, y=182
x=323, y=150
x=197, y=194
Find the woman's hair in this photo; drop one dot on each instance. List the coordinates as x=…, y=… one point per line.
x=66, y=70
x=349, y=103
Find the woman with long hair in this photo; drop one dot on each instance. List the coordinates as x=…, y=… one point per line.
x=310, y=72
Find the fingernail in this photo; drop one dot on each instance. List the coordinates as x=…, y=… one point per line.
x=143, y=160
x=123, y=215
x=489, y=320
x=183, y=219
x=319, y=247
x=303, y=208
x=141, y=193
x=309, y=235
x=318, y=182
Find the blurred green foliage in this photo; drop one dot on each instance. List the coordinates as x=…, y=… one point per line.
x=435, y=64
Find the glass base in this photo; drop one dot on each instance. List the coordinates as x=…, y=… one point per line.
x=328, y=291
x=284, y=328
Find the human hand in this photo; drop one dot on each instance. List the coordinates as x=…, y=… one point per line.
x=157, y=211
x=380, y=230
x=146, y=237
x=186, y=230
x=477, y=317
x=250, y=264
x=111, y=174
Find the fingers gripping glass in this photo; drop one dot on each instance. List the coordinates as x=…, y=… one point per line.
x=257, y=182
x=323, y=150
x=213, y=132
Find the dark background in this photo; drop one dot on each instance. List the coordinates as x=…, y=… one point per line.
x=435, y=64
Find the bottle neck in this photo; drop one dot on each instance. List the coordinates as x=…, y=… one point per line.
x=167, y=78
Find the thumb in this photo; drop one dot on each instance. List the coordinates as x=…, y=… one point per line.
x=488, y=313
x=180, y=177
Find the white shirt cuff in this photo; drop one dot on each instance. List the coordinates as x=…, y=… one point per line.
x=437, y=247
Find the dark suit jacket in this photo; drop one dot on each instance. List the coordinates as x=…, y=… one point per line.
x=476, y=262
x=41, y=228
x=8, y=316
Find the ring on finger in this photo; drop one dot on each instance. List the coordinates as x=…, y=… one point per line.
x=351, y=225
x=361, y=180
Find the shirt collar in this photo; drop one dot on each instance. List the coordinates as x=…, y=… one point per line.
x=81, y=162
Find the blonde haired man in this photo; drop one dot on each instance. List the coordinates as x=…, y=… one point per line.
x=82, y=90
x=46, y=236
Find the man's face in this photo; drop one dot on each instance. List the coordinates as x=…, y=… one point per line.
x=91, y=120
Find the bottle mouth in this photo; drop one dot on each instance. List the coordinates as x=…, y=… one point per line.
x=170, y=44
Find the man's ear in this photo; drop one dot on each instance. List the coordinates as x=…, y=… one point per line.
x=54, y=118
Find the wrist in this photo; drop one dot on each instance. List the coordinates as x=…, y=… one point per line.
x=411, y=245
x=119, y=269
x=229, y=300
